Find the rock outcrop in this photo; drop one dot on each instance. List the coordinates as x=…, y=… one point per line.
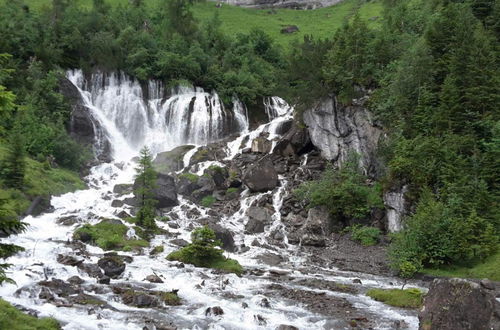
x=165, y=191
x=339, y=130
x=171, y=161
x=457, y=304
x=84, y=128
x=396, y=208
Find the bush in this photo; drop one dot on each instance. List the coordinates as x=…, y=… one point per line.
x=409, y=298
x=189, y=176
x=344, y=192
x=109, y=236
x=367, y=236
x=208, y=201
x=204, y=251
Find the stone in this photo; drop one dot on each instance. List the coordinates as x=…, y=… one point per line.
x=290, y=29
x=261, y=176
x=75, y=280
x=92, y=270
x=123, y=215
x=264, y=302
x=68, y=260
x=68, y=220
x=487, y=284
x=458, y=304
x=286, y=327
x=207, y=187
x=179, y=242
x=261, y=145
x=112, y=266
x=154, y=279
x=123, y=189
x=104, y=280
x=171, y=161
x=295, y=142
x=396, y=208
x=218, y=174
x=258, y=218
x=165, y=192
x=117, y=203
x=214, y=311
x=59, y=287
x=225, y=236
x=313, y=240
x=186, y=186
x=318, y=221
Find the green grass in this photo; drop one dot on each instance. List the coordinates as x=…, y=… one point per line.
x=365, y=235
x=208, y=201
x=321, y=23
x=13, y=319
x=190, y=176
x=222, y=263
x=408, y=298
x=489, y=269
x=109, y=236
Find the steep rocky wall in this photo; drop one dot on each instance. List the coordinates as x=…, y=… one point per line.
x=338, y=130
x=294, y=4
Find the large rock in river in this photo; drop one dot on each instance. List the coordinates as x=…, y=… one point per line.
x=165, y=191
x=171, y=161
x=457, y=304
x=261, y=176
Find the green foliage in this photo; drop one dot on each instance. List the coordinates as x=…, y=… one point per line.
x=208, y=201
x=13, y=319
x=344, y=192
x=365, y=235
x=409, y=298
x=157, y=249
x=146, y=183
x=14, y=164
x=204, y=251
x=190, y=176
x=109, y=236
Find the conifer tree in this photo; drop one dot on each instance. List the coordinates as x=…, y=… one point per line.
x=9, y=224
x=14, y=164
x=145, y=185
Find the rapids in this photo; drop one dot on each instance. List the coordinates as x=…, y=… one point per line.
x=132, y=118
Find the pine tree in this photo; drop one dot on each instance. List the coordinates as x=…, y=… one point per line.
x=14, y=164
x=146, y=183
x=9, y=224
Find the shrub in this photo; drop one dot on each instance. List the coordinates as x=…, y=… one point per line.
x=367, y=236
x=189, y=176
x=156, y=250
x=409, y=298
x=13, y=319
x=204, y=251
x=344, y=192
x=109, y=236
x=208, y=201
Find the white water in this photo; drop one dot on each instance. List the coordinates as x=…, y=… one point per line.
x=129, y=123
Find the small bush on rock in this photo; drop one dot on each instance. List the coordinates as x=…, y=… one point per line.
x=208, y=201
x=367, y=236
x=204, y=251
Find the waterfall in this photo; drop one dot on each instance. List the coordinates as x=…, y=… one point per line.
x=133, y=115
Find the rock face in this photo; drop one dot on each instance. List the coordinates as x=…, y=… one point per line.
x=83, y=127
x=171, y=161
x=396, y=208
x=296, y=141
x=339, y=130
x=258, y=218
x=261, y=176
x=457, y=304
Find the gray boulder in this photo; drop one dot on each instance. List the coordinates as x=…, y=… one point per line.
x=457, y=304
x=123, y=189
x=258, y=218
x=261, y=145
x=171, y=161
x=165, y=192
x=261, y=176
x=112, y=266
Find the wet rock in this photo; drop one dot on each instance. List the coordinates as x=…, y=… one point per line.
x=60, y=287
x=123, y=215
x=141, y=300
x=104, y=280
x=207, y=187
x=218, y=174
x=68, y=220
x=68, y=260
x=457, y=304
x=86, y=299
x=286, y=327
x=295, y=142
x=130, y=201
x=113, y=222
x=357, y=281
x=487, y=284
x=225, y=236
x=83, y=236
x=261, y=176
x=117, y=203
x=75, y=280
x=92, y=270
x=171, y=161
x=187, y=184
x=123, y=189
x=214, y=311
x=313, y=240
x=244, y=305
x=258, y=218
x=265, y=303
x=112, y=266
x=46, y=294
x=179, y=242
x=260, y=320
x=154, y=279
x=318, y=221
x=271, y=259
x=165, y=192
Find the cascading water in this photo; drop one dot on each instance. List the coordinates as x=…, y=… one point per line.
x=131, y=118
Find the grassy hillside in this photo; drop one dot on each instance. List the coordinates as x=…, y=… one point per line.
x=320, y=23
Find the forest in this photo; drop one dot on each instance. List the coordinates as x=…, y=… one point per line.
x=430, y=68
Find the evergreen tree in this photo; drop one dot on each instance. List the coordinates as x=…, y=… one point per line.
x=145, y=185
x=14, y=164
x=9, y=224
